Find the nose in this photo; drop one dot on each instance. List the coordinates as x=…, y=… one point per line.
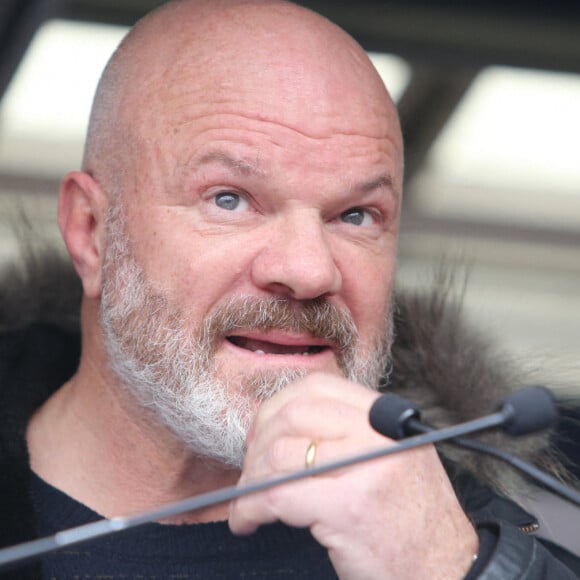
x=296, y=260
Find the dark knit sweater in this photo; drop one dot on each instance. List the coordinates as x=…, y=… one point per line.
x=155, y=551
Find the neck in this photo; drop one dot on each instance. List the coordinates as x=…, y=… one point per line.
x=94, y=444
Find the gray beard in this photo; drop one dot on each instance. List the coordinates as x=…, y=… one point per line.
x=171, y=372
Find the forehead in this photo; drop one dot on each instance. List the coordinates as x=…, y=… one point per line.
x=232, y=148
x=248, y=149
x=272, y=95
x=285, y=119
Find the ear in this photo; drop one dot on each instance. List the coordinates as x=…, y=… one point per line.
x=82, y=209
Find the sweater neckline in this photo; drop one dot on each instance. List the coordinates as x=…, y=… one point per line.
x=56, y=511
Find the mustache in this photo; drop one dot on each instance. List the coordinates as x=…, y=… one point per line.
x=318, y=318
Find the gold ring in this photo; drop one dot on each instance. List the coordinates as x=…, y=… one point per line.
x=310, y=454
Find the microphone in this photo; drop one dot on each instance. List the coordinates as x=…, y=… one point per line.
x=525, y=411
x=20, y=553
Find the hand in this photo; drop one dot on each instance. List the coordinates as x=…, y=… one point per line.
x=394, y=517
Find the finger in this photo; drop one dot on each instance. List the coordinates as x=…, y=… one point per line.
x=290, y=503
x=296, y=503
x=280, y=444
x=286, y=502
x=313, y=500
x=314, y=417
x=313, y=409
x=318, y=385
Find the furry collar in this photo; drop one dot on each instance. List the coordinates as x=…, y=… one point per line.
x=451, y=371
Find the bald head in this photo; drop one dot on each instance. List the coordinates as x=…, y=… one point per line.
x=275, y=59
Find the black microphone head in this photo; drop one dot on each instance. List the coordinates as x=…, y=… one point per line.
x=528, y=410
x=389, y=414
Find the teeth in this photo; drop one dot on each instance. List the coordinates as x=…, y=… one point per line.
x=260, y=351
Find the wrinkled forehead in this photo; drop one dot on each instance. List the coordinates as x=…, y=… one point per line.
x=313, y=105
x=267, y=61
x=274, y=68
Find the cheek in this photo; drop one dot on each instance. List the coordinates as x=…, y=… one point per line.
x=195, y=271
x=367, y=290
x=198, y=275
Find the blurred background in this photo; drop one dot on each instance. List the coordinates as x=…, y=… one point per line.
x=489, y=96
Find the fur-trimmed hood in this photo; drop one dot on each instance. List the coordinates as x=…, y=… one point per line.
x=451, y=371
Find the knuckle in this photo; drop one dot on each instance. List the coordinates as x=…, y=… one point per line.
x=277, y=455
x=292, y=414
x=274, y=498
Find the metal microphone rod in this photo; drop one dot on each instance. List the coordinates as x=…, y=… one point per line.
x=35, y=548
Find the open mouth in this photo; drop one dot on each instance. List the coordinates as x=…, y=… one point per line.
x=265, y=347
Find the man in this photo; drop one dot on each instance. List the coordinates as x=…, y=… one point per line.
x=234, y=228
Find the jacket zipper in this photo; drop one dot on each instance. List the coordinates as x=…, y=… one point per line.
x=530, y=528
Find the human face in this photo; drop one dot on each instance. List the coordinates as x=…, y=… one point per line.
x=171, y=372
x=234, y=205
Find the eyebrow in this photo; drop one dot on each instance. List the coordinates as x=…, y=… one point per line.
x=245, y=167
x=238, y=165
x=384, y=181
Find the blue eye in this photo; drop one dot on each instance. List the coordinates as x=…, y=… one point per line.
x=228, y=200
x=356, y=216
